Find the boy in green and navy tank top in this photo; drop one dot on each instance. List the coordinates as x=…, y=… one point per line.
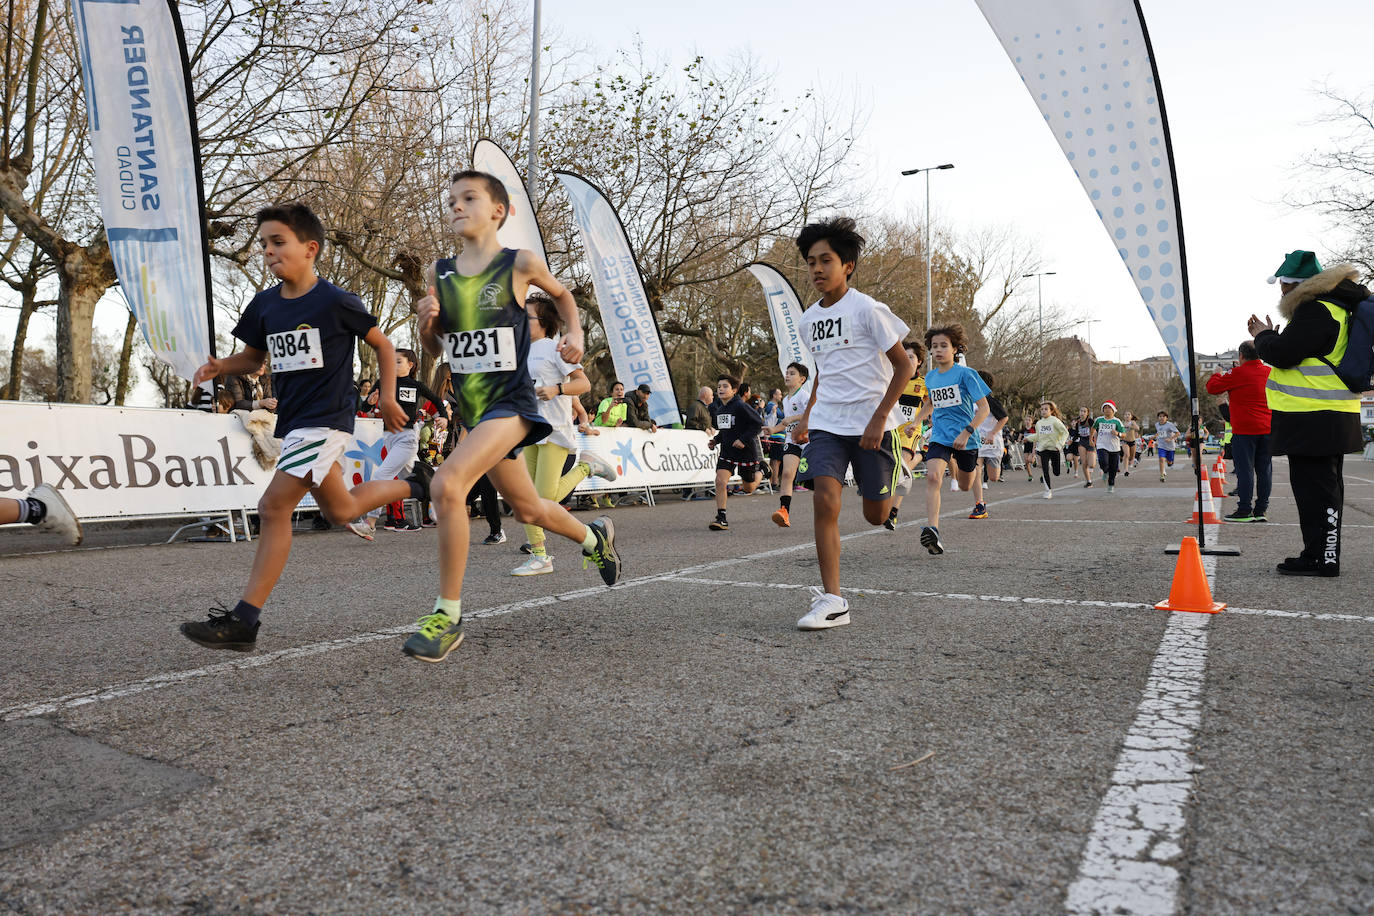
x=474, y=317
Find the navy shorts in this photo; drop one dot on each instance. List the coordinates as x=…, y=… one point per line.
x=966, y=459
x=829, y=455
x=526, y=408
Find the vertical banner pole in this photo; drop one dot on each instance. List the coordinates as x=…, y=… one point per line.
x=532, y=169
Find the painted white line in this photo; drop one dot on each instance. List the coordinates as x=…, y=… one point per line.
x=1028, y=599
x=1129, y=863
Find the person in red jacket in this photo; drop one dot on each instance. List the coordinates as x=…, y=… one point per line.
x=1244, y=387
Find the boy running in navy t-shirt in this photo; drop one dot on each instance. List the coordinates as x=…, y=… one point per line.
x=737, y=432
x=309, y=329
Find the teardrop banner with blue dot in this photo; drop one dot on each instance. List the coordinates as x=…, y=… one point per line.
x=1091, y=75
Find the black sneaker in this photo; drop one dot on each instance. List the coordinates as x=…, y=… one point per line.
x=891, y=523
x=1240, y=515
x=720, y=524
x=603, y=555
x=1259, y=515
x=222, y=631
x=496, y=537
x=407, y=526
x=930, y=540
x=1301, y=566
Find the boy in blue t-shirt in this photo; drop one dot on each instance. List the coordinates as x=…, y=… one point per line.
x=957, y=402
x=309, y=329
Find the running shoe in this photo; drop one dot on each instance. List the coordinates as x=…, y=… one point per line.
x=1111, y=488
x=222, y=631
x=1049, y=494
x=360, y=528
x=979, y=511
x=1088, y=484
x=891, y=522
x=599, y=466
x=720, y=524
x=406, y=525
x=1162, y=477
x=59, y=516
x=604, y=555
x=930, y=540
x=439, y=635
x=527, y=548
x=1240, y=515
x=782, y=518
x=1128, y=473
x=826, y=611
x=534, y=566
x=1260, y=515
x=394, y=524
x=496, y=537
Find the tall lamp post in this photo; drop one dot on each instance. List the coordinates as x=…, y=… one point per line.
x=1040, y=301
x=1091, y=360
x=928, y=170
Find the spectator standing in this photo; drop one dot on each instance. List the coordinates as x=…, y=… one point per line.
x=699, y=413
x=1315, y=418
x=1250, y=420
x=252, y=391
x=611, y=411
x=637, y=410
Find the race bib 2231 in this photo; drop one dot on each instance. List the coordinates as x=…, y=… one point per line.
x=481, y=350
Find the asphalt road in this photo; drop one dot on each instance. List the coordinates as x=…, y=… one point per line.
x=675, y=745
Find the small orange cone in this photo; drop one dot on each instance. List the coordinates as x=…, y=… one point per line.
x=1209, y=509
x=1190, y=591
x=1218, y=485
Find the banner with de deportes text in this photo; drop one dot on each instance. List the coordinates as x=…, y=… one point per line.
x=147, y=169
x=784, y=312
x=521, y=229
x=631, y=330
x=1088, y=66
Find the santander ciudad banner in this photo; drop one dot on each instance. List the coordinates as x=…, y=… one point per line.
x=1088, y=66
x=631, y=330
x=147, y=170
x=784, y=312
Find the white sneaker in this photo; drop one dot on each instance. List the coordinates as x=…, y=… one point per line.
x=534, y=566
x=60, y=517
x=1049, y=494
x=826, y=611
x=599, y=466
x=954, y=484
x=360, y=528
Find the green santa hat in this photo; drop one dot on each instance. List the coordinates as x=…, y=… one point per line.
x=1296, y=267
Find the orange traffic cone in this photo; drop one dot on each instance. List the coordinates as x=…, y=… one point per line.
x=1190, y=591
x=1218, y=484
x=1209, y=509
x=1220, y=469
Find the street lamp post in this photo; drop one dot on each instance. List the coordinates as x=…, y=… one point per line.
x=928, y=170
x=1040, y=301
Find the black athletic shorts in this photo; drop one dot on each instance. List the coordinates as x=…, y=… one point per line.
x=966, y=459
x=747, y=470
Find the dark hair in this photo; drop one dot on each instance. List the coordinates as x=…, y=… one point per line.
x=955, y=333
x=617, y=382
x=840, y=232
x=986, y=377
x=804, y=372
x=918, y=346
x=495, y=188
x=734, y=382
x=545, y=312
x=1247, y=350
x=410, y=355
x=1163, y=413
x=297, y=217
x=745, y=389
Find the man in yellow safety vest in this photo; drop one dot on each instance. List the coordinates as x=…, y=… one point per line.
x=1316, y=419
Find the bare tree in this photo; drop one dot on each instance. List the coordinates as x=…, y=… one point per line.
x=1345, y=176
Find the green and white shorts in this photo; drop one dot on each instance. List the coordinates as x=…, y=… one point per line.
x=310, y=452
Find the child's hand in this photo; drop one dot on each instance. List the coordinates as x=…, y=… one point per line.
x=427, y=311
x=393, y=417
x=210, y=370
x=570, y=347
x=872, y=439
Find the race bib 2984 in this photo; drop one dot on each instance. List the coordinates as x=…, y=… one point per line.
x=292, y=351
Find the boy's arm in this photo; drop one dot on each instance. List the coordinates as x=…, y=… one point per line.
x=901, y=374
x=532, y=269
x=802, y=434
x=240, y=363
x=427, y=318
x=393, y=417
x=980, y=414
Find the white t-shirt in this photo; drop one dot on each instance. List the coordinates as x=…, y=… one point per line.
x=548, y=368
x=849, y=341
x=995, y=448
x=794, y=405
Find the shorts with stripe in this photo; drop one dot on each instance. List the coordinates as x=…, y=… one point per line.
x=310, y=452
x=830, y=454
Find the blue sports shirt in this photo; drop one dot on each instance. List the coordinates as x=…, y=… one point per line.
x=955, y=395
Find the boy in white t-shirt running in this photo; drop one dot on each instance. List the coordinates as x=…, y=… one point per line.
x=851, y=418
x=793, y=406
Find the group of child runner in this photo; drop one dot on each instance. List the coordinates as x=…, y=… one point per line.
x=514, y=356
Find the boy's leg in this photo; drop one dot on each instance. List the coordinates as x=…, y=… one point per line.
x=935, y=480
x=44, y=507
x=825, y=509
x=512, y=480
x=722, y=484
x=341, y=505
x=278, y=501
x=9, y=511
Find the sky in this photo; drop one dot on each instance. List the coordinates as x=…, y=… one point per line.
x=1238, y=78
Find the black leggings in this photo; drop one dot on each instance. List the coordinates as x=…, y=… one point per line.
x=491, y=508
x=1048, y=457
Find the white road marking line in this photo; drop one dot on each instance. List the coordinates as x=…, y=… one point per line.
x=1129, y=861
x=1028, y=599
